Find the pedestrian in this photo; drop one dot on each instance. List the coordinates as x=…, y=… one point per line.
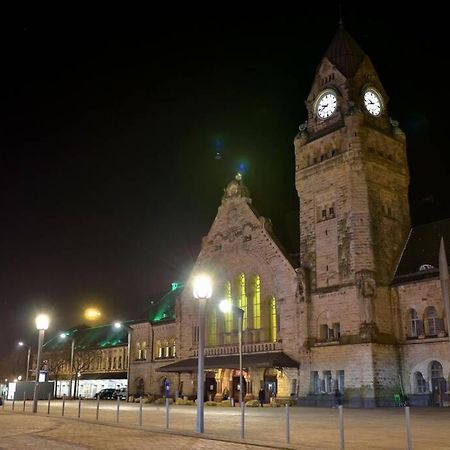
x=337, y=398
x=262, y=397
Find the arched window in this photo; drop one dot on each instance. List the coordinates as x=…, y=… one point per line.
x=256, y=302
x=159, y=350
x=415, y=323
x=273, y=318
x=114, y=363
x=174, y=348
x=144, y=350
x=138, y=351
x=436, y=369
x=166, y=348
x=120, y=362
x=242, y=296
x=432, y=322
x=421, y=384
x=212, y=328
x=228, y=315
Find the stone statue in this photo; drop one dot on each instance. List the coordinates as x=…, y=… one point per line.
x=366, y=285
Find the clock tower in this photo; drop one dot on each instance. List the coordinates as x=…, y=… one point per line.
x=352, y=180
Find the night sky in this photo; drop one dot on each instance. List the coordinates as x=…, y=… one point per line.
x=109, y=131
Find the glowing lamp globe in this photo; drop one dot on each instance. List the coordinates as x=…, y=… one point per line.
x=42, y=322
x=202, y=287
x=225, y=306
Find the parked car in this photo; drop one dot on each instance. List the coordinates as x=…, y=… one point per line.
x=121, y=393
x=105, y=394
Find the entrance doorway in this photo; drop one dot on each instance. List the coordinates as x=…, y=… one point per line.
x=270, y=384
x=210, y=386
x=236, y=386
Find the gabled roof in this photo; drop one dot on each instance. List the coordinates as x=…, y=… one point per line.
x=164, y=308
x=420, y=258
x=103, y=336
x=345, y=53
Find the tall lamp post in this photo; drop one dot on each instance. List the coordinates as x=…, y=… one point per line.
x=22, y=344
x=119, y=325
x=202, y=292
x=226, y=306
x=72, y=350
x=42, y=322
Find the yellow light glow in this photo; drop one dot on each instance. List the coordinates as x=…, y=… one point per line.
x=92, y=314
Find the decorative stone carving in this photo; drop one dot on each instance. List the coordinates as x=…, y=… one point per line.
x=366, y=284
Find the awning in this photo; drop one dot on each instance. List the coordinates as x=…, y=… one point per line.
x=275, y=359
x=104, y=376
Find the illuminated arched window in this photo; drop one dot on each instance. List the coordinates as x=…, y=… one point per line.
x=273, y=318
x=243, y=299
x=138, y=350
x=159, y=350
x=256, y=302
x=174, y=348
x=166, y=349
x=212, y=328
x=144, y=350
x=229, y=315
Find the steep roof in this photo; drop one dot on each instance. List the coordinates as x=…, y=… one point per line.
x=164, y=308
x=103, y=336
x=345, y=53
x=420, y=258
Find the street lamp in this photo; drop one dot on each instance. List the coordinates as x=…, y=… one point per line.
x=119, y=325
x=202, y=292
x=72, y=349
x=226, y=306
x=42, y=322
x=22, y=344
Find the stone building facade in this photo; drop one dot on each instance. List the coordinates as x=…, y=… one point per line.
x=361, y=310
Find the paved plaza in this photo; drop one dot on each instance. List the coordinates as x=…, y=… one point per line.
x=311, y=428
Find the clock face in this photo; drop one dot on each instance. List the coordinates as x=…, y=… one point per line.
x=372, y=102
x=326, y=104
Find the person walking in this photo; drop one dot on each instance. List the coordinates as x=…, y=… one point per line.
x=262, y=397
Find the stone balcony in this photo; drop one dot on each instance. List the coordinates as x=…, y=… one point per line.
x=233, y=349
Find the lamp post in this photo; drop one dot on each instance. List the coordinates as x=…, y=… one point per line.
x=119, y=325
x=72, y=350
x=226, y=306
x=42, y=322
x=202, y=291
x=22, y=344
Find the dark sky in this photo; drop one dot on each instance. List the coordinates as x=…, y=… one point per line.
x=109, y=129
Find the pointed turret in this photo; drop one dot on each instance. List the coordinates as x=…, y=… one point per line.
x=345, y=53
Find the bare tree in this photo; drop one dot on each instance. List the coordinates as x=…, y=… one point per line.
x=55, y=364
x=83, y=361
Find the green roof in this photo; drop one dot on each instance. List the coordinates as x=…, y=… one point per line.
x=164, y=308
x=103, y=336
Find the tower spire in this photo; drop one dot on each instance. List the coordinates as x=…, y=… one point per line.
x=341, y=20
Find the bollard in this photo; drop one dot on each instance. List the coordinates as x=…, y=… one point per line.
x=288, y=438
x=118, y=407
x=14, y=401
x=79, y=406
x=98, y=407
x=24, y=400
x=341, y=427
x=242, y=419
x=408, y=429
x=140, y=412
x=63, y=405
x=167, y=412
x=48, y=406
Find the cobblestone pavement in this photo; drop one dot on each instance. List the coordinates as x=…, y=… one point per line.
x=317, y=428
x=22, y=431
